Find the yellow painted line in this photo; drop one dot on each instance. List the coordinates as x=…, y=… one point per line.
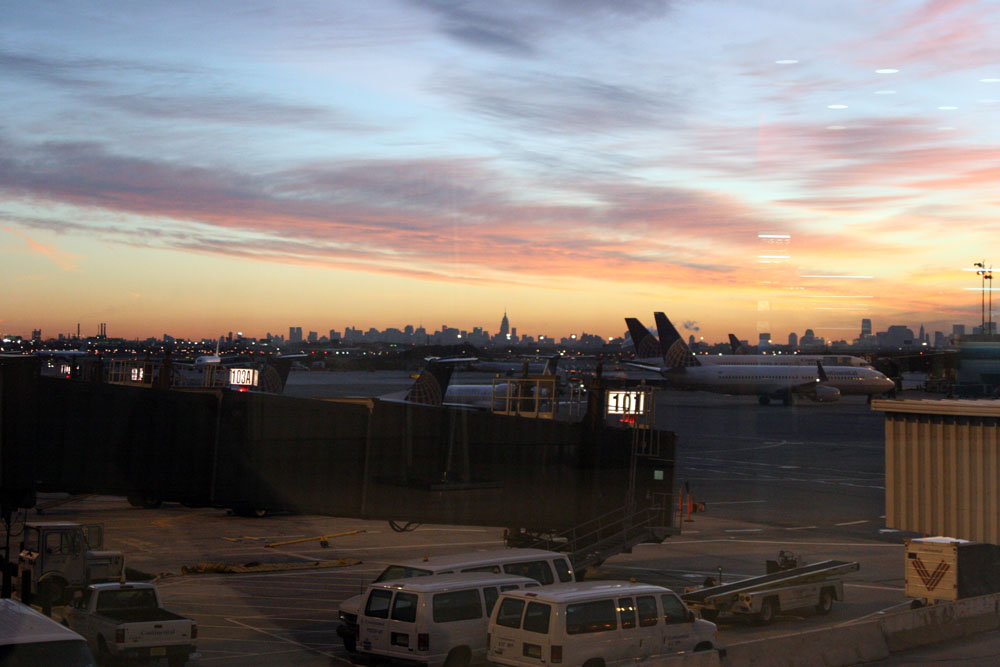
x=313, y=539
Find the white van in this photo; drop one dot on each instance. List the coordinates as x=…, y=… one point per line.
x=545, y=567
x=592, y=624
x=433, y=620
x=28, y=638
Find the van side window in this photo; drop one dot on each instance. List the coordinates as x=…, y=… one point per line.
x=490, y=595
x=626, y=608
x=495, y=569
x=509, y=587
x=646, y=604
x=538, y=570
x=509, y=614
x=404, y=607
x=378, y=604
x=585, y=617
x=562, y=569
x=536, y=617
x=674, y=610
x=457, y=606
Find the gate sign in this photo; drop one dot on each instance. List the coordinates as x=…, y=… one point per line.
x=626, y=403
x=243, y=377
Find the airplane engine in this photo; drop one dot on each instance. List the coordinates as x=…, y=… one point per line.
x=825, y=394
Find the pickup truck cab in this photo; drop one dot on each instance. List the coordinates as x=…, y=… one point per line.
x=127, y=621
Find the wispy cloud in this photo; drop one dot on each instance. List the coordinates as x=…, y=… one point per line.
x=66, y=261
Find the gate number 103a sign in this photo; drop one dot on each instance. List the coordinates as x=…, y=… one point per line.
x=626, y=402
x=243, y=377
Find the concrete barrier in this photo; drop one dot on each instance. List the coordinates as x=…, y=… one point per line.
x=845, y=645
x=941, y=622
x=863, y=641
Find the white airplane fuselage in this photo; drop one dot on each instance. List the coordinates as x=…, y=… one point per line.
x=778, y=379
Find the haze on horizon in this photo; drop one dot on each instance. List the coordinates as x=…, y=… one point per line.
x=195, y=168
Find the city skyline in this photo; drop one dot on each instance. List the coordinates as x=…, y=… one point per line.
x=748, y=167
x=482, y=335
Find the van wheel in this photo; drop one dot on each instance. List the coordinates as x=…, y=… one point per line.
x=350, y=644
x=151, y=502
x=825, y=602
x=458, y=657
x=768, y=610
x=704, y=646
x=596, y=662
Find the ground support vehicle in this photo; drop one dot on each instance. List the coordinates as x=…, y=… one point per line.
x=127, y=622
x=762, y=598
x=433, y=621
x=545, y=567
x=593, y=623
x=58, y=558
x=29, y=638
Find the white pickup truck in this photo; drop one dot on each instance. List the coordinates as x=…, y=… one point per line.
x=126, y=622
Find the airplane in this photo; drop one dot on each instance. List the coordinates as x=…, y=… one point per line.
x=648, y=351
x=492, y=395
x=684, y=370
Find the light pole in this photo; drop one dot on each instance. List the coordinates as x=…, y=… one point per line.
x=988, y=275
x=981, y=271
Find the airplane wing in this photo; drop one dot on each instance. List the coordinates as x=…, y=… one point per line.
x=645, y=367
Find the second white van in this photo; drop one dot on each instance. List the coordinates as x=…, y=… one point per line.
x=433, y=620
x=593, y=624
x=545, y=567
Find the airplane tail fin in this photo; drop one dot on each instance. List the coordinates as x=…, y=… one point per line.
x=736, y=345
x=430, y=387
x=676, y=353
x=822, y=373
x=645, y=343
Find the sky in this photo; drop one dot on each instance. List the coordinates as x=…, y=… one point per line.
x=196, y=168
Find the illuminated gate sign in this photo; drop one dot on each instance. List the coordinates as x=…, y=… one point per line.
x=626, y=403
x=243, y=377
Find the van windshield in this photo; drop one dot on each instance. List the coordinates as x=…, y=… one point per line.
x=401, y=572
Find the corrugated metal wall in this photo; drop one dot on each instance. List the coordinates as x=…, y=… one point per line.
x=942, y=475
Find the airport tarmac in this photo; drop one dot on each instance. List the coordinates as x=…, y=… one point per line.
x=805, y=478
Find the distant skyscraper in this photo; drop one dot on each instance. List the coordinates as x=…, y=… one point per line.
x=764, y=340
x=793, y=339
x=957, y=330
x=866, y=328
x=294, y=334
x=504, y=327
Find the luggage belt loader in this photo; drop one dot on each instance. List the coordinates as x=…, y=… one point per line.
x=816, y=585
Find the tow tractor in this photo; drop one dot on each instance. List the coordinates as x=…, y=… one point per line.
x=787, y=585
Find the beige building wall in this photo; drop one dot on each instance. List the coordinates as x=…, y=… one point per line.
x=942, y=468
